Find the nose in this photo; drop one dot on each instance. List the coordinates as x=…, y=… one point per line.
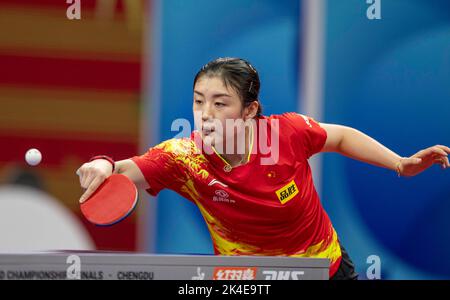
x=207, y=113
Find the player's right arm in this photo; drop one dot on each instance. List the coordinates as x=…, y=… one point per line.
x=93, y=174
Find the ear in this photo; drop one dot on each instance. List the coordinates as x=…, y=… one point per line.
x=251, y=110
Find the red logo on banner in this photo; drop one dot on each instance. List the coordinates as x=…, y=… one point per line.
x=234, y=273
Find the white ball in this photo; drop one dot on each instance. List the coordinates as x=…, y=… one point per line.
x=33, y=157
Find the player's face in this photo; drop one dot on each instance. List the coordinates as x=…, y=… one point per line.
x=214, y=103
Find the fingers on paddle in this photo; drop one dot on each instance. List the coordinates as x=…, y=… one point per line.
x=94, y=184
x=87, y=174
x=82, y=173
x=87, y=180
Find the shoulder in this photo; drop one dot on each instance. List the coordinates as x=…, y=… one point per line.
x=178, y=147
x=293, y=121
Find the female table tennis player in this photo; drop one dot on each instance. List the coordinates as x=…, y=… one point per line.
x=250, y=207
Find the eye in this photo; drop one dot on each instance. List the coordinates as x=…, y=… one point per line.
x=219, y=104
x=198, y=101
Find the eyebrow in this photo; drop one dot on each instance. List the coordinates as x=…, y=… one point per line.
x=214, y=95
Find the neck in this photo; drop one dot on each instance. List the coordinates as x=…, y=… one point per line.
x=239, y=159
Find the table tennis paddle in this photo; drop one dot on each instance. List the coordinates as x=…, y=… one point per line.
x=112, y=202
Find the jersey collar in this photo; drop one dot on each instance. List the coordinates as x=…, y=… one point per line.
x=218, y=161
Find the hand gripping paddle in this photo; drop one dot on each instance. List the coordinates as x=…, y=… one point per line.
x=112, y=202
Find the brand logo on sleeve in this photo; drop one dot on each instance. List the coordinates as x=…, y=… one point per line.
x=287, y=192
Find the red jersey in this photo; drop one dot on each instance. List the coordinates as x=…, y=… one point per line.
x=255, y=208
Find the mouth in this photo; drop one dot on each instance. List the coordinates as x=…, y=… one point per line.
x=207, y=130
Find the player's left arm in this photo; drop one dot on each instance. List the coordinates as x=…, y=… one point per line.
x=357, y=145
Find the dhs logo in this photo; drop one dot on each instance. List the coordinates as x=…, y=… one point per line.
x=283, y=275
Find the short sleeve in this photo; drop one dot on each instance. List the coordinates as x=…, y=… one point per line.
x=309, y=136
x=158, y=167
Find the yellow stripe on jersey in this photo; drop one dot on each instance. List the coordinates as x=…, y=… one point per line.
x=332, y=251
x=224, y=246
x=227, y=247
